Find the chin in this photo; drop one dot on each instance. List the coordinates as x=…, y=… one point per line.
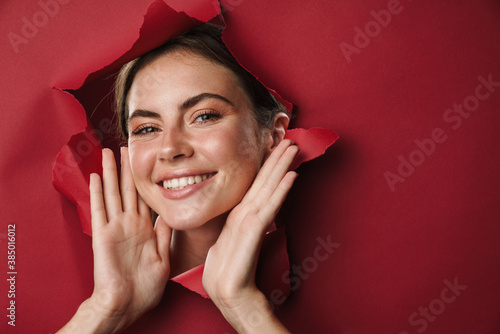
x=185, y=217
x=211, y=204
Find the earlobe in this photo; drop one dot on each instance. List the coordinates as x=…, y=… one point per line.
x=280, y=125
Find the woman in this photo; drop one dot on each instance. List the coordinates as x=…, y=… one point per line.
x=206, y=153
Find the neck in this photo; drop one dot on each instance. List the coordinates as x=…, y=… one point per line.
x=189, y=248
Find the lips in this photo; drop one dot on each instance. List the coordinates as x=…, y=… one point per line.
x=180, y=183
x=183, y=183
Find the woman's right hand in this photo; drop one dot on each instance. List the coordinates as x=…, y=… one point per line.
x=131, y=258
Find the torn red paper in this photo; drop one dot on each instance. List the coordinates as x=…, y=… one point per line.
x=273, y=266
x=82, y=154
x=77, y=160
x=313, y=142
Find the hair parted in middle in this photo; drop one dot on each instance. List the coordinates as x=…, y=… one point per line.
x=206, y=41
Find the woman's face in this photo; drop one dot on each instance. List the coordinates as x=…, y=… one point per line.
x=194, y=144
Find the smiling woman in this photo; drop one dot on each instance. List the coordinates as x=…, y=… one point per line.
x=195, y=127
x=206, y=153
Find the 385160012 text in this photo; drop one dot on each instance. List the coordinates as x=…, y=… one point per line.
x=11, y=274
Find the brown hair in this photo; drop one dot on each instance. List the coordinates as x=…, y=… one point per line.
x=204, y=40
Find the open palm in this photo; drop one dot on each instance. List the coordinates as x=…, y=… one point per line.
x=131, y=258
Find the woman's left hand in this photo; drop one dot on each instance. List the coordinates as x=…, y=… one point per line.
x=229, y=274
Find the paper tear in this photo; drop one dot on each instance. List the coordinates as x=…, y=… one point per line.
x=72, y=169
x=271, y=276
x=160, y=24
x=313, y=142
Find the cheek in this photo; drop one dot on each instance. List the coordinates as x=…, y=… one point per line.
x=233, y=148
x=142, y=159
x=237, y=154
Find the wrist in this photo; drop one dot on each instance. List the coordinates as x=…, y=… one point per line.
x=108, y=319
x=252, y=314
x=91, y=318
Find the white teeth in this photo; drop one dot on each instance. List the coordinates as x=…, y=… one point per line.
x=175, y=183
x=182, y=182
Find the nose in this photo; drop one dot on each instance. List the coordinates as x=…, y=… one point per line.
x=175, y=145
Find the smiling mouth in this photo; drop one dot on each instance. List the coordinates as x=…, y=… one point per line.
x=183, y=182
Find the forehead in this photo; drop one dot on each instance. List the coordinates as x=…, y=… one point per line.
x=182, y=73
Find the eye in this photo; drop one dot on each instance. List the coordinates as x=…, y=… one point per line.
x=207, y=115
x=145, y=130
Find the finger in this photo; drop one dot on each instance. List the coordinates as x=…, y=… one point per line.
x=271, y=178
x=271, y=161
x=281, y=168
x=269, y=212
x=97, y=209
x=143, y=208
x=163, y=238
x=127, y=185
x=267, y=169
x=112, y=198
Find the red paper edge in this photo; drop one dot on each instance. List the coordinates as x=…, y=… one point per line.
x=274, y=244
x=306, y=139
x=192, y=280
x=64, y=155
x=313, y=143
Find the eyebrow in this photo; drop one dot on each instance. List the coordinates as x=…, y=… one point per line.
x=190, y=102
x=144, y=113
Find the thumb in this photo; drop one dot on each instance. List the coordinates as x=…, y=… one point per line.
x=163, y=238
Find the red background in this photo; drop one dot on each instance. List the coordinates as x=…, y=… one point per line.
x=396, y=247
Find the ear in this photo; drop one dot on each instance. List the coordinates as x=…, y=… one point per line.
x=277, y=132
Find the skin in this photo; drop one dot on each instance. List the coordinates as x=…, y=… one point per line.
x=228, y=142
x=221, y=224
